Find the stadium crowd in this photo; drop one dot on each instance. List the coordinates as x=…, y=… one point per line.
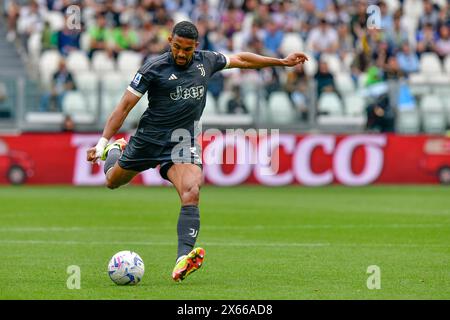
x=336, y=33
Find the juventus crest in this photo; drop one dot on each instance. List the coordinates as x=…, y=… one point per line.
x=202, y=69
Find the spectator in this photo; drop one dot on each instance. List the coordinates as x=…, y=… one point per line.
x=345, y=44
x=49, y=38
x=323, y=39
x=3, y=93
x=380, y=115
x=399, y=33
x=149, y=41
x=164, y=32
x=332, y=14
x=249, y=6
x=68, y=124
x=359, y=64
x=203, y=36
x=249, y=80
x=111, y=13
x=270, y=77
x=262, y=14
x=322, y=5
x=124, y=38
x=273, y=36
x=392, y=70
x=374, y=76
x=324, y=79
x=62, y=5
x=160, y=16
x=30, y=21
x=307, y=17
x=407, y=59
x=255, y=33
x=99, y=35
x=387, y=19
x=135, y=15
x=271, y=80
x=62, y=82
x=358, y=21
x=13, y=11
x=430, y=15
x=232, y=20
x=215, y=86
x=236, y=104
x=5, y=110
x=381, y=56
x=443, y=44
x=444, y=15
x=376, y=46
x=426, y=39
x=300, y=101
x=68, y=39
x=329, y=26
x=296, y=87
x=205, y=12
x=286, y=15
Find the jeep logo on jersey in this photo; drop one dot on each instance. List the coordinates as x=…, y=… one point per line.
x=192, y=92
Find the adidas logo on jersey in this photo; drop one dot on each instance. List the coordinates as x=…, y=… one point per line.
x=173, y=77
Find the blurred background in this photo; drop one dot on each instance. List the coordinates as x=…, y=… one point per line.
x=64, y=64
x=57, y=62
x=355, y=171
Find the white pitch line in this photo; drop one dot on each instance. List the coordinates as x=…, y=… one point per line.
x=164, y=243
x=217, y=227
x=225, y=244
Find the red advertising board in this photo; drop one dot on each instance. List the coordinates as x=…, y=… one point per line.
x=311, y=160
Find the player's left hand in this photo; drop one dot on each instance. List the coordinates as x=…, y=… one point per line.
x=295, y=58
x=93, y=155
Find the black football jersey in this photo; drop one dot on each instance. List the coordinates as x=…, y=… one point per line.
x=176, y=94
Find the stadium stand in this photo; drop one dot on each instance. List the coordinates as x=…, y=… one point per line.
x=330, y=104
x=433, y=114
x=133, y=31
x=408, y=121
x=280, y=107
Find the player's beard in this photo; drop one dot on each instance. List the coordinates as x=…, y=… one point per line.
x=182, y=62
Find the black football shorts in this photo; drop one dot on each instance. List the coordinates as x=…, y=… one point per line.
x=140, y=155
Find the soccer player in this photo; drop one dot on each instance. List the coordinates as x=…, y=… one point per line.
x=176, y=82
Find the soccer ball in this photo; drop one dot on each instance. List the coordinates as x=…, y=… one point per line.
x=126, y=267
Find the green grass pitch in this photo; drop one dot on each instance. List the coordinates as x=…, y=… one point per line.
x=261, y=243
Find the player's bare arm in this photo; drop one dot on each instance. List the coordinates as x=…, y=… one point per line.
x=113, y=124
x=248, y=60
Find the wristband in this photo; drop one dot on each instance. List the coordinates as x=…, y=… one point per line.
x=101, y=145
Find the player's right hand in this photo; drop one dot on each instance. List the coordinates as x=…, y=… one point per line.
x=295, y=58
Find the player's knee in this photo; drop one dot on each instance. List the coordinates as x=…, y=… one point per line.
x=110, y=184
x=191, y=195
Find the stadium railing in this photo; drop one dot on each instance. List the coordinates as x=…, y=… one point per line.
x=96, y=96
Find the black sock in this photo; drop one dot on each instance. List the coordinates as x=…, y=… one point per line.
x=187, y=228
x=113, y=155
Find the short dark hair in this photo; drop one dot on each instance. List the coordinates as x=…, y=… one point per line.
x=185, y=29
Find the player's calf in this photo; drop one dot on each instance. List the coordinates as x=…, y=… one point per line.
x=117, y=177
x=190, y=195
